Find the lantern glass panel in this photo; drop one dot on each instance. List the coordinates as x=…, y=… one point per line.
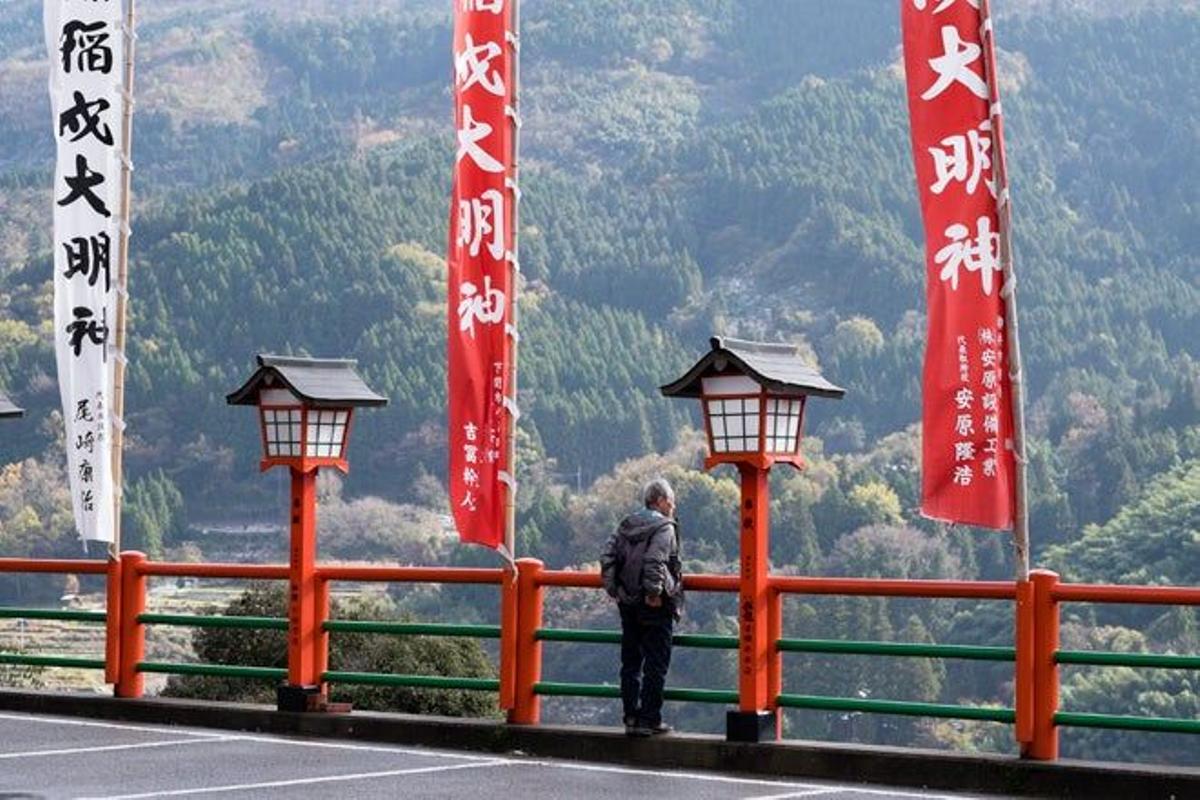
x=281, y=429
x=783, y=425
x=326, y=433
x=734, y=423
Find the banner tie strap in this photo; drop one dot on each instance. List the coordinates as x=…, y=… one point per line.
x=512, y=114
x=511, y=330
x=1010, y=283
x=514, y=40
x=510, y=406
x=512, y=186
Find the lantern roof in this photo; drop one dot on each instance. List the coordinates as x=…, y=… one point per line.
x=319, y=382
x=8, y=408
x=776, y=366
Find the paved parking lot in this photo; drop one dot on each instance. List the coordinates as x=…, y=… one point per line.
x=57, y=757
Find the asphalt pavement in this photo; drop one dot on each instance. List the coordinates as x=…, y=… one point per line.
x=58, y=757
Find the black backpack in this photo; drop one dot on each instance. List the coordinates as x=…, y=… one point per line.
x=631, y=562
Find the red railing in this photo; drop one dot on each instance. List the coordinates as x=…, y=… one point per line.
x=1037, y=654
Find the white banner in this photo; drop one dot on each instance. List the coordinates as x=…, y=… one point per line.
x=86, y=48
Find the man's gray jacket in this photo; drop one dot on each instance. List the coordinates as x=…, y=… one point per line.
x=641, y=558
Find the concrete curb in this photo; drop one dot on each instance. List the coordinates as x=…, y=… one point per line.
x=901, y=767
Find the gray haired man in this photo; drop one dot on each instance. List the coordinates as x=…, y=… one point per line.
x=641, y=570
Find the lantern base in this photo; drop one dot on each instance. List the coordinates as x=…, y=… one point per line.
x=751, y=726
x=290, y=697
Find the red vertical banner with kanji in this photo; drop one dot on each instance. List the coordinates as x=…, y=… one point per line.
x=481, y=265
x=967, y=448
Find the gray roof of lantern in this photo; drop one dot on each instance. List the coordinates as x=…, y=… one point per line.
x=778, y=367
x=317, y=381
x=8, y=408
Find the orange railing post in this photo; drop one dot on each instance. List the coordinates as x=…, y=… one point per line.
x=775, y=659
x=526, y=704
x=112, y=620
x=508, y=638
x=1043, y=745
x=133, y=635
x=1023, y=679
x=321, y=636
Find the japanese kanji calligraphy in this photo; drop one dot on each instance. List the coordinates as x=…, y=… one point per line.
x=968, y=467
x=86, y=45
x=481, y=266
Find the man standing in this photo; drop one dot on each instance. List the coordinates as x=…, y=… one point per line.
x=641, y=569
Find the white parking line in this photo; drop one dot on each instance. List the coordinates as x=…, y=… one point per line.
x=791, y=795
x=118, y=726
x=246, y=787
x=403, y=751
x=695, y=776
x=250, y=738
x=104, y=748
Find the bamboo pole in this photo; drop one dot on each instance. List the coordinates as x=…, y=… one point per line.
x=117, y=415
x=1009, y=292
x=510, y=510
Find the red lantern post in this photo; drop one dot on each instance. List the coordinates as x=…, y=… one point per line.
x=753, y=396
x=306, y=407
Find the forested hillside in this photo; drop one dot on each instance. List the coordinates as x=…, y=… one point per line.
x=732, y=166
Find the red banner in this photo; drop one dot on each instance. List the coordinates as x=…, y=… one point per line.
x=481, y=263
x=968, y=466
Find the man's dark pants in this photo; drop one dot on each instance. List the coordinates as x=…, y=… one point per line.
x=645, y=656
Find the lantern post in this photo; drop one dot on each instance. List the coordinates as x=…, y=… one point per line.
x=753, y=396
x=306, y=409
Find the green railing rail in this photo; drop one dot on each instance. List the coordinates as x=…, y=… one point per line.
x=63, y=614
x=333, y=626
x=52, y=614
x=551, y=688
x=212, y=670
x=901, y=707
x=697, y=640
x=413, y=628
x=1071, y=719
x=413, y=681
x=1101, y=658
x=198, y=621
x=904, y=649
x=74, y=662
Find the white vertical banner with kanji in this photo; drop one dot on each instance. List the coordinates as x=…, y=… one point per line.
x=481, y=264
x=85, y=42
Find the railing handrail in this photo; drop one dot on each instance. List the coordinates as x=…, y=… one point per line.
x=787, y=584
x=363, y=573
x=1139, y=594
x=893, y=587
x=175, y=569
x=54, y=565
x=578, y=579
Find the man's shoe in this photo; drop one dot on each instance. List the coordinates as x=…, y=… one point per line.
x=638, y=731
x=660, y=729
